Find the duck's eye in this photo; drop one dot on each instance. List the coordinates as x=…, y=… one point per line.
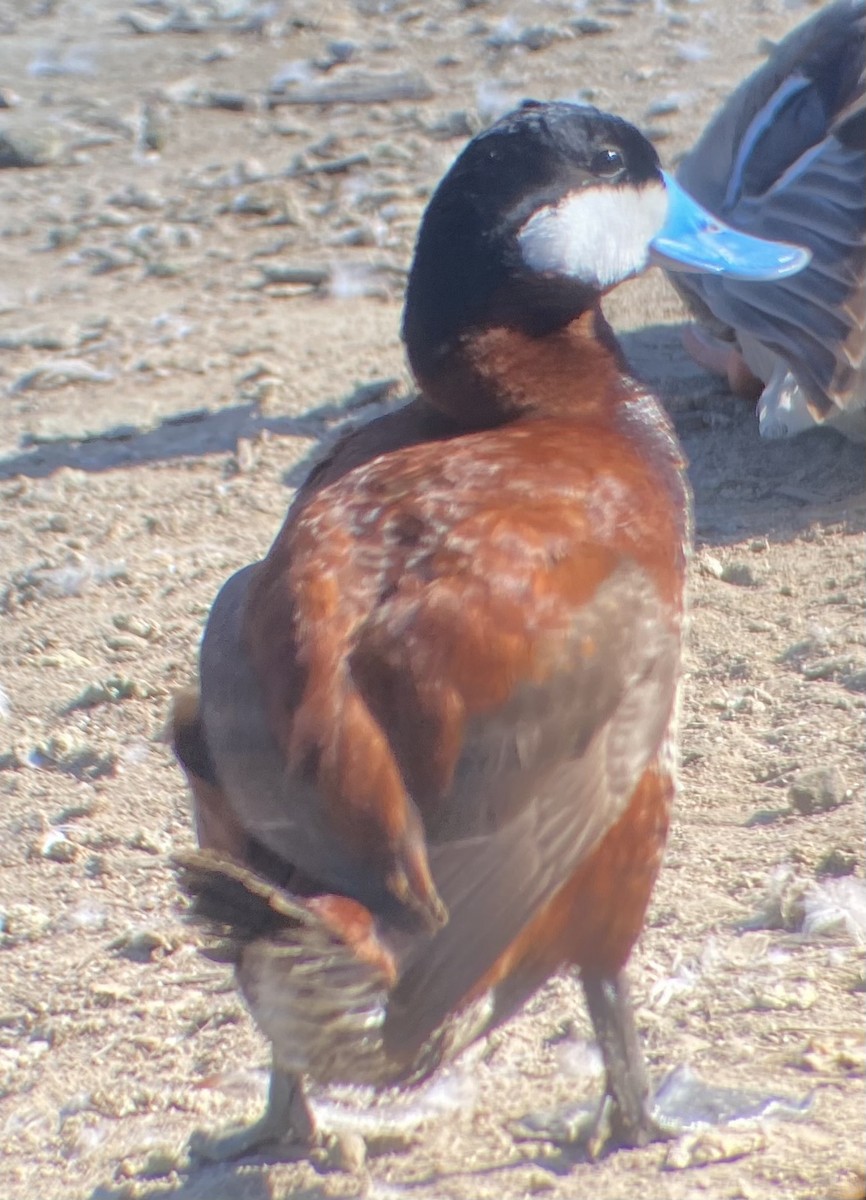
x=606, y=163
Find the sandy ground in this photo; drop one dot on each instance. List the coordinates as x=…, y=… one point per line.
x=196, y=291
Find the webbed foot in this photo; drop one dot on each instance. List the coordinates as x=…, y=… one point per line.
x=630, y=1115
x=287, y=1122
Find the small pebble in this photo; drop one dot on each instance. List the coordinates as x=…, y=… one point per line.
x=344, y=1151
x=39, y=337
x=712, y=1146
x=783, y=997
x=58, y=374
x=286, y=273
x=162, y=1161
x=538, y=37
x=457, y=124
x=832, y=1056
x=590, y=26
x=229, y=101
x=539, y=1182
x=57, y=847
x=856, y=681
x=840, y=861
x=112, y=690
x=137, y=626
x=153, y=129
x=819, y=789
x=259, y=200
x=150, y=843
x=23, y=923
x=710, y=565
x=122, y=643
x=827, y=668
x=34, y=146
x=664, y=107
x=740, y=574
x=141, y=945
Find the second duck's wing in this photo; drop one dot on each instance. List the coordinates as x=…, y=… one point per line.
x=785, y=159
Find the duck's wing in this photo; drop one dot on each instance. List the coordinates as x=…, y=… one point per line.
x=278, y=762
x=545, y=776
x=784, y=159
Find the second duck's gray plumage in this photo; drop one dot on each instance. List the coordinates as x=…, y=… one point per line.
x=784, y=158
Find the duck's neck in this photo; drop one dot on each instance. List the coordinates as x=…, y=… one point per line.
x=500, y=373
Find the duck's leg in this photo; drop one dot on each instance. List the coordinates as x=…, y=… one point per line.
x=722, y=358
x=626, y=1116
x=630, y=1114
x=287, y=1120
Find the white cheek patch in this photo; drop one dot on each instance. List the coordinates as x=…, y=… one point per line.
x=599, y=235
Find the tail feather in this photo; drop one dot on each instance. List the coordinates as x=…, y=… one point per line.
x=226, y=895
x=312, y=970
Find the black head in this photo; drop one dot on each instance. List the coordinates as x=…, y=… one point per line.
x=470, y=270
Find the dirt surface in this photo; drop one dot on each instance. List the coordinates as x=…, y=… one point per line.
x=197, y=290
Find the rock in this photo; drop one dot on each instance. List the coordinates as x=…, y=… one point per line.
x=137, y=626
x=29, y=146
x=344, y=1151
x=538, y=37
x=60, y=237
x=828, y=668
x=819, y=789
x=457, y=124
x=856, y=681
x=150, y=843
x=287, y=273
x=712, y=1146
x=229, y=101
x=334, y=166
x=39, y=337
x=741, y=574
x=590, y=26
x=57, y=847
x=162, y=1161
x=540, y=1181
x=44, y=582
x=59, y=373
x=153, y=126
x=23, y=923
x=373, y=392
x=357, y=87
x=112, y=690
x=832, y=1056
x=664, y=107
x=122, y=644
x=132, y=196
x=838, y=862
x=63, y=753
x=246, y=456
x=142, y=945
x=784, y=997
x=162, y=268
x=711, y=566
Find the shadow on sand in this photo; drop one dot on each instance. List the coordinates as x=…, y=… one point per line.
x=744, y=486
